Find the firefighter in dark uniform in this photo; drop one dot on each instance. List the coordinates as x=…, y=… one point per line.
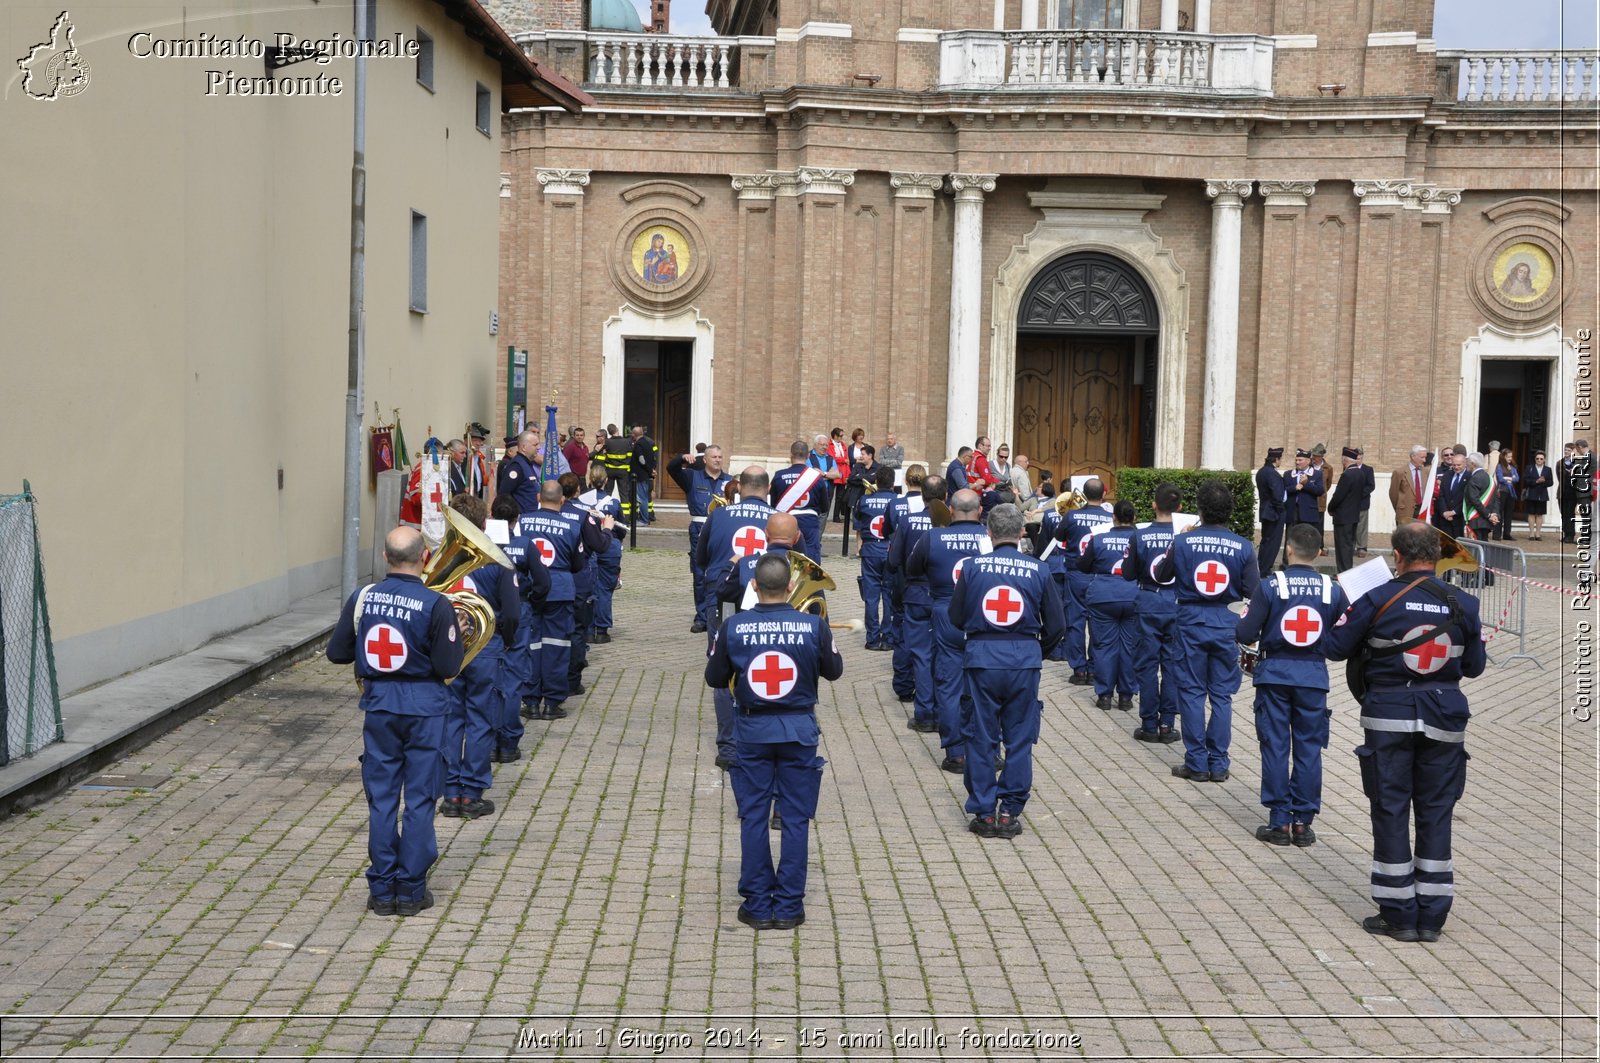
x=1157, y=606
x=937, y=558
x=642, y=463
x=917, y=632
x=1290, y=617
x=1006, y=606
x=702, y=479
x=469, y=736
x=404, y=641
x=615, y=458
x=772, y=656
x=1213, y=568
x=1073, y=534
x=1420, y=637
x=871, y=516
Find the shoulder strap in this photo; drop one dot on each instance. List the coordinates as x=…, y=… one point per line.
x=1410, y=644
x=1282, y=583
x=1327, y=590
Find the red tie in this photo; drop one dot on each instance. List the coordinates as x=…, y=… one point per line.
x=1416, y=475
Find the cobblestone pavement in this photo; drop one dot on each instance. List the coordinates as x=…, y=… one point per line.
x=221, y=913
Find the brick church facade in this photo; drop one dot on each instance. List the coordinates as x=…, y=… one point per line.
x=1105, y=231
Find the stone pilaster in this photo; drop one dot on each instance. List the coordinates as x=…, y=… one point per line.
x=820, y=193
x=751, y=391
x=966, y=308
x=551, y=363
x=1278, y=330
x=1222, y=324
x=912, y=376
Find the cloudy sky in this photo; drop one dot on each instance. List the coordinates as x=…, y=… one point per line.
x=1459, y=23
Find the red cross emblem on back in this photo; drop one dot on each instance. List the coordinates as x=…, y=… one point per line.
x=547, y=551
x=1002, y=606
x=877, y=527
x=1300, y=626
x=750, y=541
x=1431, y=656
x=772, y=675
x=385, y=648
x=1211, y=578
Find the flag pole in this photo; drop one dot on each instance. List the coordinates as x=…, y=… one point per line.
x=351, y=546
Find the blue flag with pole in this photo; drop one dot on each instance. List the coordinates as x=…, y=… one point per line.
x=552, y=447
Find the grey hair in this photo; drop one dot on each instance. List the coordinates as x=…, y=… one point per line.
x=1419, y=449
x=1005, y=523
x=1476, y=458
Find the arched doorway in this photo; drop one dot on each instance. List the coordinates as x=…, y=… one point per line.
x=1087, y=365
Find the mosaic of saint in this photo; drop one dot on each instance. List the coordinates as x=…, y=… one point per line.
x=661, y=255
x=1523, y=272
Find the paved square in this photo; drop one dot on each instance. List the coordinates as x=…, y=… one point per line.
x=221, y=913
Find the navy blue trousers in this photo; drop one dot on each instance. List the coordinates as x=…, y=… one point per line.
x=917, y=636
x=790, y=774
x=1156, y=661
x=469, y=733
x=1058, y=581
x=551, y=651
x=402, y=757
x=1291, y=721
x=1077, y=613
x=696, y=527
x=1271, y=541
x=608, y=572
x=517, y=679
x=875, y=595
x=1114, y=635
x=901, y=663
x=1406, y=775
x=1005, y=709
x=950, y=697
x=1207, y=669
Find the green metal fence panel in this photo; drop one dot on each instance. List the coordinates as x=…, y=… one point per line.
x=30, y=699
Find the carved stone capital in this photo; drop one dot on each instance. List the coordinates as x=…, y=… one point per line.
x=1287, y=193
x=1228, y=192
x=1436, y=200
x=761, y=185
x=824, y=181
x=915, y=185
x=505, y=185
x=1383, y=193
x=972, y=185
x=558, y=182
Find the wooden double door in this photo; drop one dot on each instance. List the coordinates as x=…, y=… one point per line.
x=655, y=392
x=1077, y=409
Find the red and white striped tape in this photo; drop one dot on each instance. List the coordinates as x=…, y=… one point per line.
x=1535, y=583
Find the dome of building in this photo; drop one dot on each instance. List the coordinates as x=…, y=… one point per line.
x=615, y=15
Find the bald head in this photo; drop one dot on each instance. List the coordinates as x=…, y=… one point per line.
x=753, y=482
x=402, y=549
x=550, y=494
x=966, y=505
x=783, y=529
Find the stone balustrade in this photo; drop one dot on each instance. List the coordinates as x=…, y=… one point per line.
x=1223, y=64
x=1522, y=76
x=661, y=61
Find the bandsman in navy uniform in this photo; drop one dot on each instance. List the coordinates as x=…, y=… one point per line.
x=937, y=558
x=733, y=532
x=1290, y=617
x=478, y=693
x=1004, y=605
x=596, y=539
x=608, y=563
x=1113, y=616
x=900, y=511
x=1420, y=637
x=802, y=489
x=1073, y=535
x=1157, y=606
x=1272, y=498
x=872, y=533
x=702, y=479
x=773, y=656
x=1213, y=568
x=737, y=591
x=917, y=631
x=533, y=584
x=1049, y=549
x=554, y=541
x=405, y=643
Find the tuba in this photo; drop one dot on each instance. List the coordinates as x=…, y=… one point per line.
x=729, y=495
x=807, y=581
x=1072, y=499
x=464, y=549
x=1452, y=555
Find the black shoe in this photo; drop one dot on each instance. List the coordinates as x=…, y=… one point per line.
x=1428, y=934
x=553, y=712
x=1007, y=825
x=506, y=756
x=1274, y=835
x=450, y=808
x=752, y=922
x=377, y=906
x=954, y=765
x=1377, y=924
x=576, y=688
x=1125, y=703
x=600, y=638
x=696, y=628
x=1170, y=735
x=1304, y=835
x=1105, y=701
x=529, y=712
x=1081, y=679
x=414, y=907
x=1220, y=776
x=1140, y=734
x=475, y=807
x=723, y=761
x=790, y=923
x=906, y=699
x=985, y=826
x=1183, y=771
x=922, y=726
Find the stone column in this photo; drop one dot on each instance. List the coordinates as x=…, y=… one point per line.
x=1202, y=16
x=1169, y=16
x=1030, y=14
x=910, y=376
x=966, y=304
x=999, y=14
x=1222, y=324
x=563, y=291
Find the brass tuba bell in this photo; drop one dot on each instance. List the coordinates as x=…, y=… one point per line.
x=1070, y=500
x=1452, y=555
x=807, y=581
x=465, y=548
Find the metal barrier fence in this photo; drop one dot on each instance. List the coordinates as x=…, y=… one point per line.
x=1502, y=594
x=30, y=701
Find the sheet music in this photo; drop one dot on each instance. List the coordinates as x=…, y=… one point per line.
x=1365, y=578
x=1184, y=521
x=498, y=531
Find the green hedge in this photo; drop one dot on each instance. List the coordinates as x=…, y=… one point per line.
x=1139, y=487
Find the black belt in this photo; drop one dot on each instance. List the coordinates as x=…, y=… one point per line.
x=777, y=712
x=1002, y=636
x=1413, y=685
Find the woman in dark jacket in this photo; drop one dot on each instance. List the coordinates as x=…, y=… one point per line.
x=1537, y=480
x=1506, y=481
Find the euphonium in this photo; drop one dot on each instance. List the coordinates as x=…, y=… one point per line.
x=464, y=549
x=1070, y=500
x=1452, y=555
x=807, y=581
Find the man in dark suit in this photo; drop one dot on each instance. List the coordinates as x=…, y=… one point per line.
x=1351, y=496
x=1303, y=485
x=1273, y=496
x=1447, y=516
